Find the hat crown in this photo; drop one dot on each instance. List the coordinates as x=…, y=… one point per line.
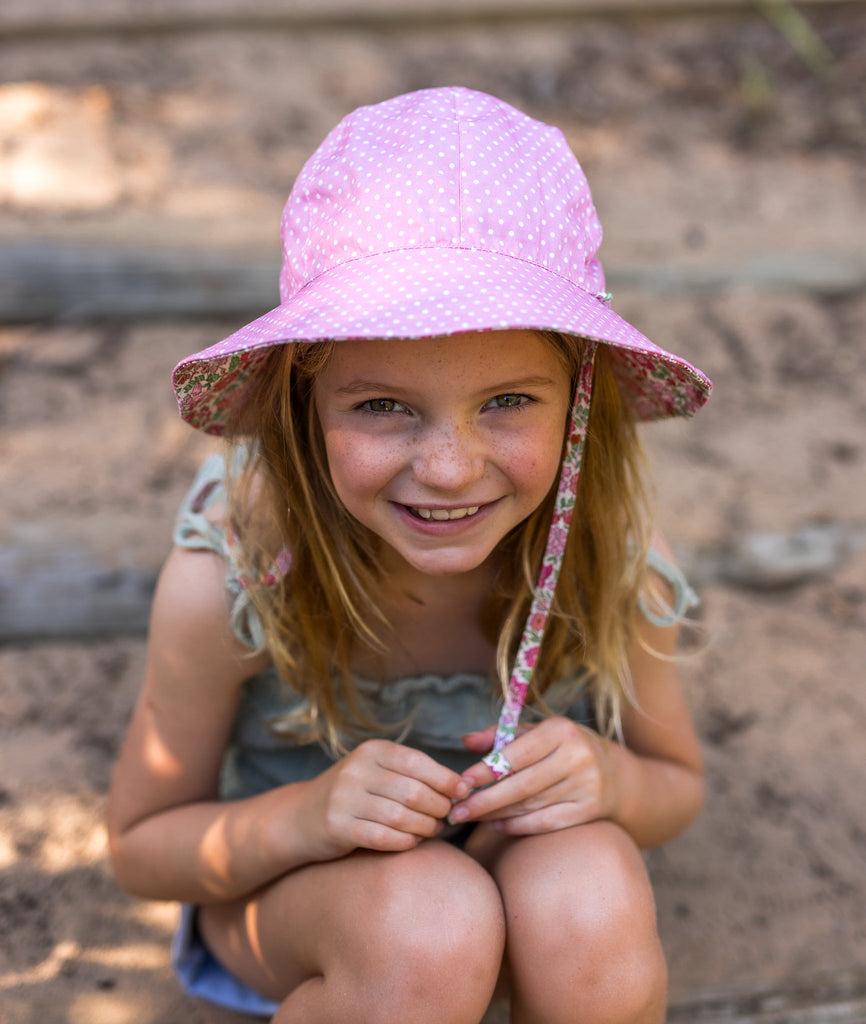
x=441, y=168
x=436, y=213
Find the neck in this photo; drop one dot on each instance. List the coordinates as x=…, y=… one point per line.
x=435, y=624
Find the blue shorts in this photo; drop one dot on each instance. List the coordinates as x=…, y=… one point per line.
x=202, y=975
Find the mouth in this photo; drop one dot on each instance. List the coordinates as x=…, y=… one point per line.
x=442, y=515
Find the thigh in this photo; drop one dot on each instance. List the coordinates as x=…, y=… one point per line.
x=353, y=916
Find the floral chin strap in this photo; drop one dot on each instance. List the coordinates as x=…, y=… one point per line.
x=536, y=622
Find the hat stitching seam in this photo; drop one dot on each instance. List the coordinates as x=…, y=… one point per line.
x=444, y=247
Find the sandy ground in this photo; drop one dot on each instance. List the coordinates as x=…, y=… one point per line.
x=713, y=151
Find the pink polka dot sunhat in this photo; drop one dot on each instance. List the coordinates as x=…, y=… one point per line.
x=435, y=213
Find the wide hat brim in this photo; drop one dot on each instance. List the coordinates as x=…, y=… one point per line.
x=431, y=292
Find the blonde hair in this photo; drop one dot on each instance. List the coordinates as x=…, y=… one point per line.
x=326, y=604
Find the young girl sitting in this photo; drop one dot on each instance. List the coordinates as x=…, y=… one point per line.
x=431, y=512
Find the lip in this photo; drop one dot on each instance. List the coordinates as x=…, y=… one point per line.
x=438, y=526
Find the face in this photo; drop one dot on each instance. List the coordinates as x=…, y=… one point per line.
x=441, y=446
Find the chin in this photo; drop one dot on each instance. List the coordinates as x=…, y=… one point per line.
x=459, y=566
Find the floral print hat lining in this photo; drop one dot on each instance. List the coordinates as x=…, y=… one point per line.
x=435, y=213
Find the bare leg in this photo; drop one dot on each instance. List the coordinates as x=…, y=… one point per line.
x=410, y=937
x=582, y=944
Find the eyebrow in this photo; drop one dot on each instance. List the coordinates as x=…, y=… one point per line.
x=361, y=387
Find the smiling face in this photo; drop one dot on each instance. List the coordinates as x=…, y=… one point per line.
x=441, y=446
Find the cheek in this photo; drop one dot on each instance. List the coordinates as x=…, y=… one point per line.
x=535, y=461
x=357, y=462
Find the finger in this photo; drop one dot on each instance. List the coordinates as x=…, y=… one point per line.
x=411, y=793
x=480, y=741
x=378, y=823
x=546, y=819
x=478, y=776
x=559, y=793
x=526, y=788
x=415, y=764
x=399, y=818
x=521, y=752
x=508, y=796
x=492, y=767
x=373, y=835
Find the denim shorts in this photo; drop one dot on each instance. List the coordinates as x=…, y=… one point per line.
x=203, y=976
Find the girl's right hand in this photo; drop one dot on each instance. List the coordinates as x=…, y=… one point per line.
x=381, y=796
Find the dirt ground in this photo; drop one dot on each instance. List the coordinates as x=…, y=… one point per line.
x=727, y=162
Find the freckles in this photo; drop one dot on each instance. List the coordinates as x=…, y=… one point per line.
x=350, y=460
x=337, y=446
x=357, y=457
x=535, y=460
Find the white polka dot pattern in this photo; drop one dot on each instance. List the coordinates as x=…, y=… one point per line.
x=437, y=212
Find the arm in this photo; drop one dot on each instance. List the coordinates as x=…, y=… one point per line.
x=655, y=786
x=170, y=837
x=567, y=774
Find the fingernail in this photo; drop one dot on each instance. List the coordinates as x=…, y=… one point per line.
x=458, y=814
x=464, y=788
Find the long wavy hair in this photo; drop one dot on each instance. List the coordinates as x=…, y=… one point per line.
x=325, y=606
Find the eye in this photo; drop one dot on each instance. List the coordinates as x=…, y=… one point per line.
x=508, y=401
x=382, y=405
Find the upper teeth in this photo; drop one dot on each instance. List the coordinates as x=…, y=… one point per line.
x=446, y=513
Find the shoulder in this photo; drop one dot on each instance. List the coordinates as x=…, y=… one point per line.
x=191, y=586
x=666, y=597
x=191, y=619
x=227, y=510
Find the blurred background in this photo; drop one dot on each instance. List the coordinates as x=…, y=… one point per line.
x=145, y=154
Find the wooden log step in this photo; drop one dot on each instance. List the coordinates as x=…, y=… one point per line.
x=67, y=594
x=836, y=999
x=63, y=281
x=68, y=282
x=48, y=17
x=70, y=597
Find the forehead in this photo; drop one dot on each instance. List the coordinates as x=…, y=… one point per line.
x=476, y=353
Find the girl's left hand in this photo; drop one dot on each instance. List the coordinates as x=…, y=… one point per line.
x=563, y=774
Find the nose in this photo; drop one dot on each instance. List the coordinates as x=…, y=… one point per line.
x=449, y=457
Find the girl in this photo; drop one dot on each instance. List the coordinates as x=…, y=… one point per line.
x=360, y=590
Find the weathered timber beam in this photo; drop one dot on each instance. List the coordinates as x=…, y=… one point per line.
x=68, y=282
x=70, y=598
x=46, y=595
x=54, y=17
x=832, y=999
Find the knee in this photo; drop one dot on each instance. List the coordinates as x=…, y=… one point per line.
x=586, y=910
x=436, y=920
